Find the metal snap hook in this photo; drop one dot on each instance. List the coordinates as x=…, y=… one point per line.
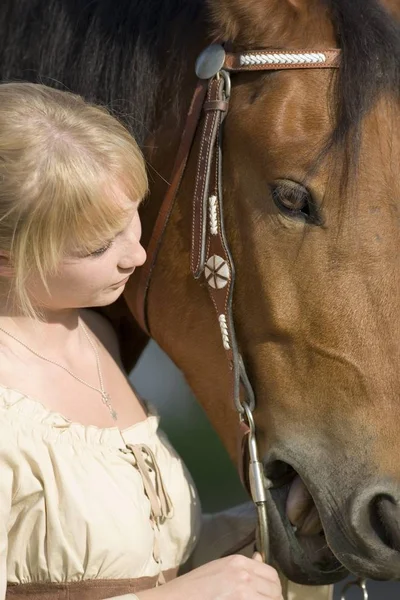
x=360, y=583
x=228, y=86
x=258, y=487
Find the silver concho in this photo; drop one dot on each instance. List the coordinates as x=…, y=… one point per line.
x=210, y=61
x=217, y=272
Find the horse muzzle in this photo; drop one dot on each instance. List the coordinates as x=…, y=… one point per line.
x=320, y=530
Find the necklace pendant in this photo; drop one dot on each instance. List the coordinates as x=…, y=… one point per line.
x=107, y=401
x=106, y=397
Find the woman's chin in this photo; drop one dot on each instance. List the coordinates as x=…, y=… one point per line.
x=108, y=296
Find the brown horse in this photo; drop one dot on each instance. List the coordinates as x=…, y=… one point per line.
x=311, y=188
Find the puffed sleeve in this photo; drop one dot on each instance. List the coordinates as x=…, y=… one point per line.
x=6, y=492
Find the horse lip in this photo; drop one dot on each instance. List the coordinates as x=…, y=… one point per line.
x=291, y=557
x=287, y=549
x=294, y=560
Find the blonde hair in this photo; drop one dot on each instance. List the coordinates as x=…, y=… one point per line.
x=61, y=161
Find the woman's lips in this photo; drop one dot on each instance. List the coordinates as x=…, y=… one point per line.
x=121, y=282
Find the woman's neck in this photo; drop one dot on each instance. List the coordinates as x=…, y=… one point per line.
x=58, y=334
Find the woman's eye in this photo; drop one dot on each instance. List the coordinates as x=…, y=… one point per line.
x=295, y=201
x=101, y=250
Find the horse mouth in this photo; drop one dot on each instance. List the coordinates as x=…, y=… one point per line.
x=307, y=558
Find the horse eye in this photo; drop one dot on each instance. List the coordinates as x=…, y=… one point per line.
x=295, y=201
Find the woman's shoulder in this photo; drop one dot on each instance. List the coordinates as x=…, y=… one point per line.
x=102, y=329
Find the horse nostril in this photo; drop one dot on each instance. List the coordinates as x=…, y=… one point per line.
x=385, y=520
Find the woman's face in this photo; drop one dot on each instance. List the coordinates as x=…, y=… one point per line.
x=94, y=280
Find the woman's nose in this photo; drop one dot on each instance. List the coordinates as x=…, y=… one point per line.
x=134, y=256
x=140, y=255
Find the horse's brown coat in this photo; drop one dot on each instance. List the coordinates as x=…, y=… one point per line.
x=316, y=307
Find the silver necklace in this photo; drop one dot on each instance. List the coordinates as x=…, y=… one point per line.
x=105, y=397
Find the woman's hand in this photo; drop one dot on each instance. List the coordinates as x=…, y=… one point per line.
x=232, y=578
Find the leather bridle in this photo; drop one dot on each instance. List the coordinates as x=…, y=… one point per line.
x=210, y=254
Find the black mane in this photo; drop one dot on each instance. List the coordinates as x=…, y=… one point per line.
x=110, y=52
x=369, y=38
x=106, y=50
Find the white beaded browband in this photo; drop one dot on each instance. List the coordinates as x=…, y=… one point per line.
x=284, y=58
x=275, y=59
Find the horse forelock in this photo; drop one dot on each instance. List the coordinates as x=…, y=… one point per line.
x=367, y=31
x=369, y=37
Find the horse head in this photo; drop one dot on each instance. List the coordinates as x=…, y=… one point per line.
x=311, y=192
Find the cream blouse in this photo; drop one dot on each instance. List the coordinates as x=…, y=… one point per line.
x=80, y=503
x=73, y=502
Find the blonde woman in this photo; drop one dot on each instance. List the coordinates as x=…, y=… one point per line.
x=94, y=503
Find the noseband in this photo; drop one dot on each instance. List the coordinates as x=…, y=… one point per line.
x=210, y=255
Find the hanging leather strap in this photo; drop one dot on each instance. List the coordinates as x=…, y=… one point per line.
x=143, y=275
